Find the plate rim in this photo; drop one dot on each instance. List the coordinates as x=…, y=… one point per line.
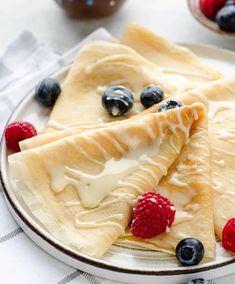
x=77, y=256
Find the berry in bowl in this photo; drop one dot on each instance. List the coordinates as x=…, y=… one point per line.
x=216, y=15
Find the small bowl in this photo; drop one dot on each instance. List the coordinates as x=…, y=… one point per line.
x=90, y=8
x=194, y=7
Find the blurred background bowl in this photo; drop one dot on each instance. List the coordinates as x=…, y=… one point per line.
x=90, y=8
x=194, y=7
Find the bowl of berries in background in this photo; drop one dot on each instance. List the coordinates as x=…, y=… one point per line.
x=90, y=8
x=216, y=15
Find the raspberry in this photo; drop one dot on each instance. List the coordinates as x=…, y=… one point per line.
x=228, y=235
x=16, y=132
x=152, y=214
x=211, y=7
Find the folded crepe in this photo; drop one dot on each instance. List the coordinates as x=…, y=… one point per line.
x=188, y=185
x=219, y=98
x=97, y=66
x=173, y=59
x=102, y=64
x=82, y=188
x=221, y=128
x=45, y=138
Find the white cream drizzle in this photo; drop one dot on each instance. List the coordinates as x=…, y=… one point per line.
x=229, y=153
x=83, y=152
x=168, y=229
x=228, y=197
x=218, y=106
x=195, y=114
x=193, y=207
x=137, y=188
x=148, y=171
x=219, y=162
x=181, y=217
x=101, y=223
x=113, y=141
x=175, y=179
x=101, y=149
x=187, y=73
x=181, y=125
x=218, y=186
x=107, y=220
x=72, y=203
x=149, y=73
x=115, y=173
x=227, y=135
x=93, y=188
x=180, y=198
x=173, y=146
x=222, y=177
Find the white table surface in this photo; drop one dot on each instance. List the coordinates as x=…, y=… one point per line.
x=170, y=18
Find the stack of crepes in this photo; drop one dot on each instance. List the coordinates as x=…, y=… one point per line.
x=81, y=177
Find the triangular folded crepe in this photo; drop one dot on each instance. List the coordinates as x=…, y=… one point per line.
x=45, y=138
x=173, y=59
x=220, y=96
x=101, y=64
x=98, y=65
x=221, y=127
x=82, y=188
x=188, y=185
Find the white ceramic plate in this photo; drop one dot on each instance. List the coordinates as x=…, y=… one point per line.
x=127, y=265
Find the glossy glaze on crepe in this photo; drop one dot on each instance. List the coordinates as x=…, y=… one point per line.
x=167, y=132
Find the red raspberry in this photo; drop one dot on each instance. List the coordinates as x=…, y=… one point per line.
x=16, y=132
x=211, y=7
x=152, y=214
x=228, y=235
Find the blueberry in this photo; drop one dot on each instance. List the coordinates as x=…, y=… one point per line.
x=47, y=92
x=151, y=95
x=169, y=105
x=189, y=251
x=117, y=100
x=197, y=281
x=226, y=18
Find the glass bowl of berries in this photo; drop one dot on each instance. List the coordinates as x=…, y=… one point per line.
x=90, y=8
x=216, y=15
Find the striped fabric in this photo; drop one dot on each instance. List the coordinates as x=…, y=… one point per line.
x=22, y=65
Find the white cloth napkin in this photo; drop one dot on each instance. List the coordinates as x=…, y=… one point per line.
x=22, y=65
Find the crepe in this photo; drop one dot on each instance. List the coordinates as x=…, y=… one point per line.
x=82, y=188
x=173, y=59
x=98, y=65
x=219, y=97
x=221, y=127
x=101, y=64
x=45, y=138
x=188, y=185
